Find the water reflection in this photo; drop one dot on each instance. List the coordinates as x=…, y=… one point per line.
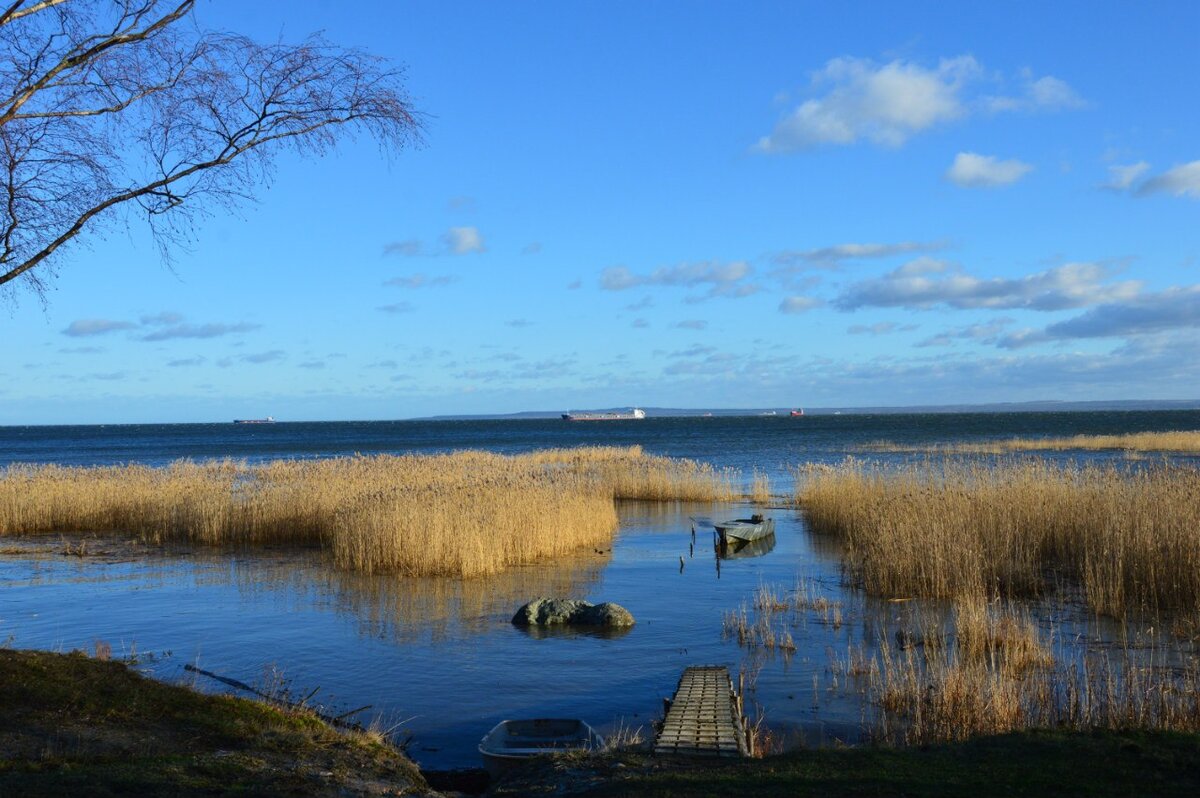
x=445, y=651
x=575, y=632
x=741, y=549
x=408, y=609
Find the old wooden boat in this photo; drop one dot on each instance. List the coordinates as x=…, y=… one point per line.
x=745, y=529
x=744, y=549
x=514, y=741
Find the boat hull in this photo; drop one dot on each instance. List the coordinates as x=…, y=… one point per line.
x=635, y=415
x=513, y=742
x=733, y=549
x=744, y=530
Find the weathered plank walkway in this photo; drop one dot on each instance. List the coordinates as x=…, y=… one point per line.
x=704, y=718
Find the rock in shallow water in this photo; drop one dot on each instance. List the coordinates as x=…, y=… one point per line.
x=548, y=612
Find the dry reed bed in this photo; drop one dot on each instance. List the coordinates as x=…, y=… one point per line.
x=984, y=667
x=463, y=514
x=628, y=473
x=1180, y=441
x=1129, y=538
x=997, y=675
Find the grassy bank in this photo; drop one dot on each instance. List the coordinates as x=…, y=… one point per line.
x=462, y=514
x=1128, y=539
x=1030, y=763
x=72, y=725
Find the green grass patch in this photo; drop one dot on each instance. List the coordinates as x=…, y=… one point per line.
x=70, y=724
x=1040, y=763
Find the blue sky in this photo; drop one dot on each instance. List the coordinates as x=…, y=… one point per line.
x=674, y=204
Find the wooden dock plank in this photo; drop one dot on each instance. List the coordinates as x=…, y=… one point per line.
x=703, y=719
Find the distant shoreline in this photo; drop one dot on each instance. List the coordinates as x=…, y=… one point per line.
x=780, y=413
x=1036, y=406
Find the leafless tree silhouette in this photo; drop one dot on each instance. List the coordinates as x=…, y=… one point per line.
x=127, y=104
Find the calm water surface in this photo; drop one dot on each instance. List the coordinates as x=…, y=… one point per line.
x=440, y=656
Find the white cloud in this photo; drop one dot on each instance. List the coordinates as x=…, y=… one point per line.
x=985, y=332
x=925, y=283
x=1038, y=94
x=692, y=324
x=798, y=304
x=407, y=248
x=1121, y=178
x=171, y=325
x=264, y=357
x=883, y=104
x=198, y=331
x=397, y=307
x=971, y=170
x=420, y=281
x=879, y=328
x=832, y=257
x=166, y=317
x=1181, y=181
x=83, y=328
x=463, y=240
x=723, y=279
x=1173, y=309
x=887, y=104
x=1051, y=93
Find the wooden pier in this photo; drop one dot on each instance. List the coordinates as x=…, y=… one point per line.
x=705, y=716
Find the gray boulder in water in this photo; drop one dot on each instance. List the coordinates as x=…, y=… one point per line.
x=549, y=612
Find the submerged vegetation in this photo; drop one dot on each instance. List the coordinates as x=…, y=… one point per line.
x=1125, y=538
x=463, y=514
x=979, y=667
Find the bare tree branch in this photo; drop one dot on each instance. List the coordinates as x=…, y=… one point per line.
x=111, y=104
x=15, y=12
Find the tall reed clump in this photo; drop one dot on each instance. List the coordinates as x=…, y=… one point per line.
x=629, y=473
x=1130, y=538
x=465, y=514
x=760, y=488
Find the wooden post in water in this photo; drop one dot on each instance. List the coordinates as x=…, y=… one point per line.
x=741, y=711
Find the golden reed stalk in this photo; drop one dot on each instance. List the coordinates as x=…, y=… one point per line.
x=1174, y=441
x=463, y=514
x=1130, y=538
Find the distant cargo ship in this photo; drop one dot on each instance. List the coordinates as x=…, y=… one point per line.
x=636, y=413
x=798, y=412
x=267, y=420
